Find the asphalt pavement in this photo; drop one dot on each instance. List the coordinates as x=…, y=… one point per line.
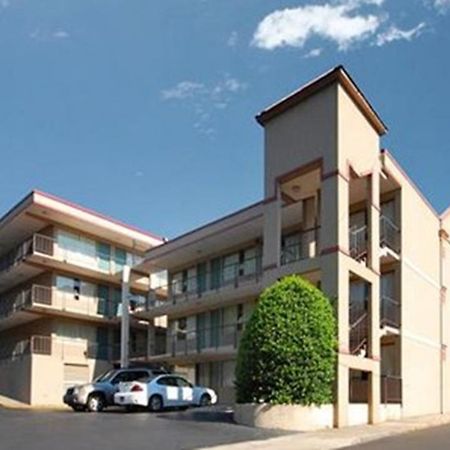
x=173, y=430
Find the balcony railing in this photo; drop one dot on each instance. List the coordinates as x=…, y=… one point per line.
x=74, y=350
x=389, y=312
x=38, y=243
x=389, y=234
x=194, y=287
x=359, y=334
x=390, y=389
x=358, y=242
x=58, y=300
x=307, y=247
x=389, y=237
x=204, y=339
x=39, y=345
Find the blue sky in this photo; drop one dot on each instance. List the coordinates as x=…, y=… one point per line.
x=144, y=110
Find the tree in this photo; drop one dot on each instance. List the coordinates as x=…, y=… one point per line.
x=287, y=353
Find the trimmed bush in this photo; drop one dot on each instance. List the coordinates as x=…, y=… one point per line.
x=287, y=353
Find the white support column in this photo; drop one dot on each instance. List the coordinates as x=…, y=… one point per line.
x=125, y=322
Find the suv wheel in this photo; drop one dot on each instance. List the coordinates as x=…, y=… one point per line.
x=155, y=404
x=95, y=403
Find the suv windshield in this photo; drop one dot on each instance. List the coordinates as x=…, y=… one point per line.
x=105, y=376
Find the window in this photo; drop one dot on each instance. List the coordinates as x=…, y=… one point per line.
x=201, y=277
x=76, y=288
x=75, y=248
x=182, y=383
x=72, y=287
x=240, y=317
x=230, y=267
x=168, y=381
x=292, y=248
x=216, y=273
x=388, y=210
x=103, y=252
x=120, y=259
x=248, y=260
x=103, y=300
x=216, y=327
x=201, y=331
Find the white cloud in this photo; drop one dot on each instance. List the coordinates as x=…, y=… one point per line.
x=203, y=99
x=60, y=34
x=337, y=22
x=46, y=35
x=396, y=34
x=441, y=5
x=233, y=39
x=184, y=89
x=314, y=53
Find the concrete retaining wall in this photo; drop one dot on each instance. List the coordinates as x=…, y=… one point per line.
x=305, y=418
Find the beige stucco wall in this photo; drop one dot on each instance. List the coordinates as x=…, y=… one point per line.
x=358, y=142
x=47, y=387
x=445, y=255
x=300, y=135
x=420, y=298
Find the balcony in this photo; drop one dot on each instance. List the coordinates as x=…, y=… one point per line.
x=390, y=312
x=389, y=239
x=359, y=334
x=358, y=242
x=61, y=348
x=228, y=283
x=39, y=244
x=390, y=389
x=205, y=339
x=306, y=247
x=389, y=235
x=44, y=250
x=20, y=306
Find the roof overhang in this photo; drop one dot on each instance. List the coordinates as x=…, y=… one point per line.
x=215, y=237
x=39, y=209
x=224, y=235
x=336, y=75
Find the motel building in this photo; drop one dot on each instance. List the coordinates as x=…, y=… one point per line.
x=60, y=296
x=342, y=213
x=337, y=210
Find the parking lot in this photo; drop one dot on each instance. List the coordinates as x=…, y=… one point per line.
x=172, y=430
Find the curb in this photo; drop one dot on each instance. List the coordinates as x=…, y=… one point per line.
x=341, y=438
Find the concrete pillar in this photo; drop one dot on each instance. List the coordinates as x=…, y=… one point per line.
x=373, y=226
x=272, y=232
x=151, y=339
x=336, y=278
x=373, y=222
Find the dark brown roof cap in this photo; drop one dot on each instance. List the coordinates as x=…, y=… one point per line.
x=337, y=74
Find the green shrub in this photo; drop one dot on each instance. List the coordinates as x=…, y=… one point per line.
x=288, y=350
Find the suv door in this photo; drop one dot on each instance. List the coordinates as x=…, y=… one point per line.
x=113, y=386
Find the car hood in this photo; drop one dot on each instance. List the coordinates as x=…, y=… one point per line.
x=91, y=386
